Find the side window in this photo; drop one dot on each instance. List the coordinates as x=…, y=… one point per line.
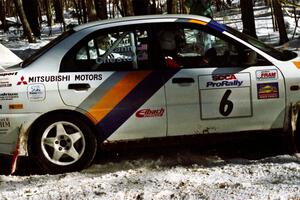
x=118, y=50
x=191, y=47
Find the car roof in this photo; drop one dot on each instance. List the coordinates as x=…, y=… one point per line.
x=148, y=18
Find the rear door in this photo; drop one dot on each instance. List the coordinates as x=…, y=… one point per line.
x=107, y=85
x=222, y=86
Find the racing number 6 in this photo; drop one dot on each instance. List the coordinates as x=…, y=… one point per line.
x=226, y=105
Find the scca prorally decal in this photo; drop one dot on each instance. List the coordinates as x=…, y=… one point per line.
x=8, y=74
x=53, y=78
x=150, y=113
x=224, y=80
x=88, y=77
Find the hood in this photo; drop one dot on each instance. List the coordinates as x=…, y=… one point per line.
x=7, y=58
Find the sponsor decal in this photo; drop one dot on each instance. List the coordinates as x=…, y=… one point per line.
x=267, y=91
x=4, y=123
x=150, y=113
x=53, y=78
x=43, y=79
x=15, y=106
x=22, y=81
x=262, y=75
x=100, y=60
x=224, y=80
x=88, y=77
x=8, y=74
x=126, y=49
x=8, y=96
x=36, y=92
x=4, y=83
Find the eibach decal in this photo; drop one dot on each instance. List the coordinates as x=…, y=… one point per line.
x=144, y=113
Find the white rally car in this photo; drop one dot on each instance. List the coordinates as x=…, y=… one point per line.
x=143, y=77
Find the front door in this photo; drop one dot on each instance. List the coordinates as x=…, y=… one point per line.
x=221, y=86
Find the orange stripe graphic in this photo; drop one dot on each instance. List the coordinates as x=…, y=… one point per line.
x=197, y=22
x=116, y=94
x=297, y=64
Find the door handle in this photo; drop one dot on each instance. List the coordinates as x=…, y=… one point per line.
x=183, y=80
x=79, y=86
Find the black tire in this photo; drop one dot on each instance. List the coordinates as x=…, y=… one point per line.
x=62, y=143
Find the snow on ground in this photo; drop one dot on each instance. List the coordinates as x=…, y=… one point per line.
x=162, y=179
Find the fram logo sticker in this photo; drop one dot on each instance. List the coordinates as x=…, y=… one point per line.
x=262, y=75
x=150, y=113
x=22, y=81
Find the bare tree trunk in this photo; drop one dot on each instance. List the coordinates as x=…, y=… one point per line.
x=280, y=21
x=2, y=15
x=49, y=15
x=172, y=6
x=59, y=12
x=248, y=17
x=31, y=11
x=26, y=27
x=218, y=5
x=127, y=7
x=141, y=7
x=84, y=13
x=101, y=9
x=92, y=15
x=78, y=11
x=169, y=6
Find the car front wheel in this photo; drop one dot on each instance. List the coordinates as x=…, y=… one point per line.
x=62, y=143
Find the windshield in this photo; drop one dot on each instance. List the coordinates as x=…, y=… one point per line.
x=279, y=55
x=48, y=46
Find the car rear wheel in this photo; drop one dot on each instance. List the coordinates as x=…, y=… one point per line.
x=62, y=143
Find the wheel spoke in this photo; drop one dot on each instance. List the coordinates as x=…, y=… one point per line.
x=49, y=141
x=57, y=155
x=60, y=130
x=75, y=136
x=73, y=153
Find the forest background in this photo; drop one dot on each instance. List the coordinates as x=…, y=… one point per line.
x=31, y=14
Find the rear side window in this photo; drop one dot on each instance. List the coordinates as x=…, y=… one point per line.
x=112, y=50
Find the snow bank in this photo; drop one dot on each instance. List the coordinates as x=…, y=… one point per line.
x=208, y=178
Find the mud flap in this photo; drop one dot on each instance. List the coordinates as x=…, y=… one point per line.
x=292, y=130
x=13, y=165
